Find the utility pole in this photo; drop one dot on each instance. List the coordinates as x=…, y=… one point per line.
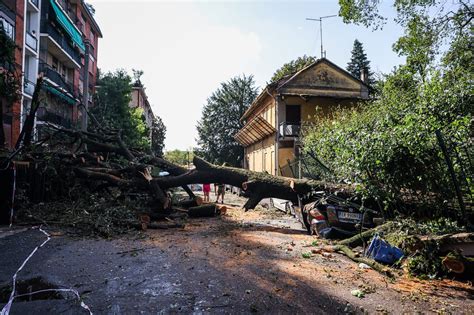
x=320, y=20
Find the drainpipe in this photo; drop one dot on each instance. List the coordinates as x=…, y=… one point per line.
x=85, y=96
x=277, y=166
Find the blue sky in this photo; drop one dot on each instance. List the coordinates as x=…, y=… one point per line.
x=187, y=48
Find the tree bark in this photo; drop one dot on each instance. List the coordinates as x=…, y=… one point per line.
x=2, y=131
x=258, y=185
x=27, y=131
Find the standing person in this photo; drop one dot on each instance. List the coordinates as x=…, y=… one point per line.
x=206, y=189
x=220, y=192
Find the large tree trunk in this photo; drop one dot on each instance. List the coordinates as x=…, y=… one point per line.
x=136, y=176
x=2, y=131
x=256, y=185
x=27, y=131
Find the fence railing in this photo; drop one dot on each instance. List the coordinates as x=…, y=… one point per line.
x=289, y=129
x=28, y=87
x=62, y=41
x=35, y=2
x=54, y=118
x=54, y=76
x=31, y=41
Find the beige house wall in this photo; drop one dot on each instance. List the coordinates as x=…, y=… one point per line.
x=317, y=108
x=285, y=154
x=320, y=91
x=261, y=155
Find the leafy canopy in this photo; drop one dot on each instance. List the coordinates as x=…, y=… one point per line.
x=359, y=62
x=220, y=120
x=293, y=67
x=158, y=135
x=113, y=111
x=179, y=156
x=389, y=145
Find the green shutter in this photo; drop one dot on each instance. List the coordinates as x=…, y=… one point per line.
x=60, y=94
x=67, y=25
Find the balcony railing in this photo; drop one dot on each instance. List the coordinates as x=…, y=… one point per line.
x=28, y=87
x=35, y=2
x=31, y=41
x=54, y=76
x=289, y=129
x=53, y=118
x=61, y=40
x=8, y=11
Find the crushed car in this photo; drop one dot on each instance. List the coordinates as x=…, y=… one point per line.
x=329, y=216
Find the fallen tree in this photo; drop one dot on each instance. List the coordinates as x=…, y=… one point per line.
x=103, y=157
x=98, y=161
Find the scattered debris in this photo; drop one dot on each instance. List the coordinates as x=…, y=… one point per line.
x=358, y=293
x=382, y=251
x=364, y=266
x=306, y=255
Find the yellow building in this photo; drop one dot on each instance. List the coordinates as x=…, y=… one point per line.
x=273, y=121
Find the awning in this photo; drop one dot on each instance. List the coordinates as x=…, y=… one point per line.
x=67, y=25
x=255, y=130
x=59, y=94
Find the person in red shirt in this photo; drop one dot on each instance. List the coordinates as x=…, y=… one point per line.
x=206, y=188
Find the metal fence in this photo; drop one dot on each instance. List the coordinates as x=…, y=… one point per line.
x=458, y=157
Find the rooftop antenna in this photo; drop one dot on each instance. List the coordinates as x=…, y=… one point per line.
x=320, y=20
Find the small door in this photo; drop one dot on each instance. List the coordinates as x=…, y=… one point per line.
x=293, y=114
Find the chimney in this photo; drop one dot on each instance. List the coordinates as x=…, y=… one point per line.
x=364, y=75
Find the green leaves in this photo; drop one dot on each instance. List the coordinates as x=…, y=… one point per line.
x=359, y=62
x=389, y=144
x=292, y=67
x=221, y=120
x=113, y=111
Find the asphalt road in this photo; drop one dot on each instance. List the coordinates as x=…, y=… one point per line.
x=241, y=262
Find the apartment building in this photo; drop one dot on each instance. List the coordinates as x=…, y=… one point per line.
x=59, y=39
x=12, y=18
x=139, y=99
x=68, y=60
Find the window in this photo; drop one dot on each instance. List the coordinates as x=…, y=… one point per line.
x=82, y=21
x=8, y=27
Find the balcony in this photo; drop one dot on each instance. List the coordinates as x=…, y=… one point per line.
x=289, y=129
x=55, y=77
x=28, y=87
x=31, y=41
x=35, y=3
x=44, y=115
x=8, y=11
x=63, y=42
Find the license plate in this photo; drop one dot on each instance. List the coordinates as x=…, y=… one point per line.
x=349, y=216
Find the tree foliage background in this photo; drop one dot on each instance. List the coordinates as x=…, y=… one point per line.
x=220, y=121
x=180, y=157
x=359, y=62
x=293, y=67
x=113, y=111
x=390, y=145
x=158, y=135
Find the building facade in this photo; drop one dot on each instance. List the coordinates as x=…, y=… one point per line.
x=139, y=99
x=270, y=135
x=59, y=40
x=12, y=18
